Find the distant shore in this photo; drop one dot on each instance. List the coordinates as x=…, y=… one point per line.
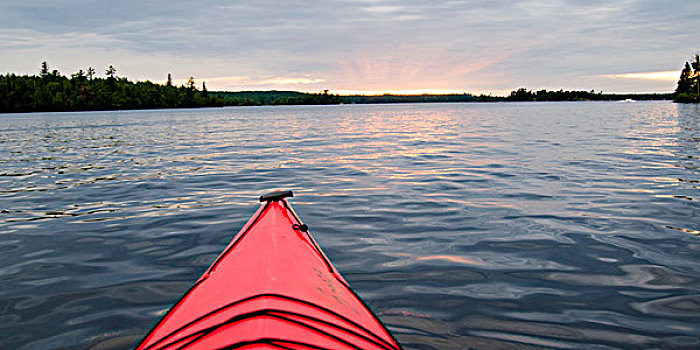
x=83, y=91
x=259, y=98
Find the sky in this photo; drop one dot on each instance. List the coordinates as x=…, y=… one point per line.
x=361, y=46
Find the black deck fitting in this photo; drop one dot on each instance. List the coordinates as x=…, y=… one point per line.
x=276, y=195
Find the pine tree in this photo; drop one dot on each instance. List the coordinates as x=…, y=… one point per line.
x=684, y=82
x=111, y=72
x=696, y=74
x=44, y=69
x=79, y=75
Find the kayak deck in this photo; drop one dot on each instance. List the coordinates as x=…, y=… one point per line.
x=272, y=287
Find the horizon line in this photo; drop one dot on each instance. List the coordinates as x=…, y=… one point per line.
x=434, y=92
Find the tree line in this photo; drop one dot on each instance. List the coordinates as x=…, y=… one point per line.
x=260, y=98
x=266, y=98
x=523, y=94
x=84, y=91
x=422, y=98
x=688, y=89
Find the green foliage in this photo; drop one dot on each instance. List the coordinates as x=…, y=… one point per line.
x=687, y=98
x=259, y=98
x=83, y=91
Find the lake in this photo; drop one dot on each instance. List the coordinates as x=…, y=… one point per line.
x=486, y=226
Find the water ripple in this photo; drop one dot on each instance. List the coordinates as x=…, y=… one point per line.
x=494, y=226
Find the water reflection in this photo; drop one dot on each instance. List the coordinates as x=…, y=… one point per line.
x=558, y=225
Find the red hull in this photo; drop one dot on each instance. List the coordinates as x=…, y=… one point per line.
x=272, y=288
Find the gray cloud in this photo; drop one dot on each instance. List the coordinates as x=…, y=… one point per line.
x=360, y=45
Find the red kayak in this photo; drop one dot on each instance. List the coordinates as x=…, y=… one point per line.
x=272, y=288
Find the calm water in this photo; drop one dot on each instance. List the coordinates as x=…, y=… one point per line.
x=490, y=226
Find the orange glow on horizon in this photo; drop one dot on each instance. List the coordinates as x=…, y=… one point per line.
x=398, y=92
x=662, y=76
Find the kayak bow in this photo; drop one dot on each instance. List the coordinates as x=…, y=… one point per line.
x=271, y=288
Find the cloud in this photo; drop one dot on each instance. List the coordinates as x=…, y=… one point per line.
x=359, y=45
x=248, y=83
x=662, y=76
x=289, y=81
x=382, y=9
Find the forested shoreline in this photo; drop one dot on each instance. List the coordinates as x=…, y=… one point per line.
x=260, y=98
x=84, y=91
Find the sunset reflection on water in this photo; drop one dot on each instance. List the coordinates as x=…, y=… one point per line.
x=495, y=225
